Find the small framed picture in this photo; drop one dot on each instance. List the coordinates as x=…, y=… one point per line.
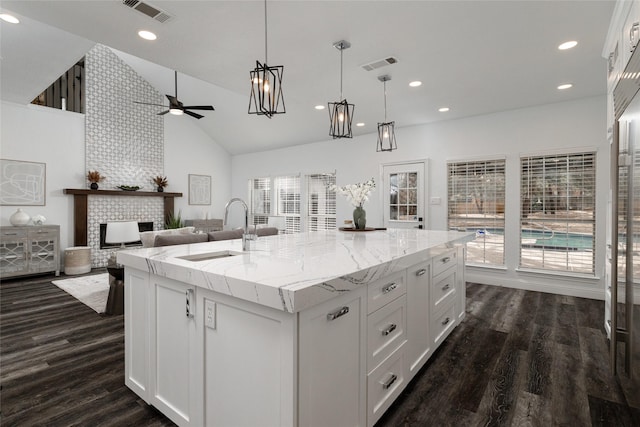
x=199, y=189
x=22, y=183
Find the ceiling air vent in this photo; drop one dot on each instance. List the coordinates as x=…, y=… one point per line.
x=379, y=63
x=147, y=9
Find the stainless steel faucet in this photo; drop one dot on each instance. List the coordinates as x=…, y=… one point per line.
x=246, y=236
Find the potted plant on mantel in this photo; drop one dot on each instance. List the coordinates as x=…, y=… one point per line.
x=94, y=178
x=160, y=182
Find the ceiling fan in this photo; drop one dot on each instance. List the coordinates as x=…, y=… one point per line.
x=176, y=107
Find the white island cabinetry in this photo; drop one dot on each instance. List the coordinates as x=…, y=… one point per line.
x=337, y=352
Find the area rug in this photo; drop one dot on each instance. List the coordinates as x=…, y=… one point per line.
x=89, y=290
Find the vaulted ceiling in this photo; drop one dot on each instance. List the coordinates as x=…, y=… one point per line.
x=475, y=57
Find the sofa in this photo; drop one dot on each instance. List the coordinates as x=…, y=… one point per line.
x=185, y=238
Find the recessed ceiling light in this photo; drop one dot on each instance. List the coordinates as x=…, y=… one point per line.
x=415, y=83
x=360, y=124
x=9, y=18
x=568, y=45
x=443, y=109
x=147, y=35
x=565, y=86
x=319, y=107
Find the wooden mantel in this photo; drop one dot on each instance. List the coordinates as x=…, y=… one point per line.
x=80, y=205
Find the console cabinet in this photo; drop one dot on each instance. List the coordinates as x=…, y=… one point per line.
x=28, y=250
x=204, y=358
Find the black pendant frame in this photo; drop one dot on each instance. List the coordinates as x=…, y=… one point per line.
x=270, y=101
x=388, y=142
x=341, y=128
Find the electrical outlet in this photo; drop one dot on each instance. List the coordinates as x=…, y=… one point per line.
x=209, y=314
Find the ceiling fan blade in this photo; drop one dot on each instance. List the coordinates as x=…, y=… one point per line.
x=163, y=113
x=199, y=107
x=148, y=103
x=196, y=115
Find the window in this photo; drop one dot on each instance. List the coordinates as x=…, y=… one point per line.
x=321, y=203
x=403, y=204
x=287, y=191
x=260, y=196
x=557, y=220
x=476, y=203
x=317, y=212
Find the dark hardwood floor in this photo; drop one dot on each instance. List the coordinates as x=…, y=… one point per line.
x=519, y=358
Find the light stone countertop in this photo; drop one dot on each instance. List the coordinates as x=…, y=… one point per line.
x=293, y=272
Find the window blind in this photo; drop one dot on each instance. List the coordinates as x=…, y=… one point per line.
x=476, y=199
x=288, y=201
x=321, y=203
x=260, y=190
x=557, y=220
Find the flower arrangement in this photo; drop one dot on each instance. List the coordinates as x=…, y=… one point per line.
x=94, y=177
x=356, y=194
x=160, y=181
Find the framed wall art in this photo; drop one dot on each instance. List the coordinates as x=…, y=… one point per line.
x=22, y=183
x=199, y=189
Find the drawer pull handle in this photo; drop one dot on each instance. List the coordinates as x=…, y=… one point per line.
x=446, y=321
x=389, y=288
x=392, y=379
x=338, y=313
x=10, y=234
x=421, y=272
x=392, y=327
x=189, y=302
x=445, y=287
x=445, y=259
x=633, y=32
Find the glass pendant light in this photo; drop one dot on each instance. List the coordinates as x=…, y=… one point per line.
x=341, y=113
x=266, y=91
x=386, y=130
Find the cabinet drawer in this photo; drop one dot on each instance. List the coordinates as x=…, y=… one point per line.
x=443, y=324
x=443, y=290
x=7, y=235
x=444, y=261
x=386, y=331
x=384, y=385
x=385, y=290
x=42, y=233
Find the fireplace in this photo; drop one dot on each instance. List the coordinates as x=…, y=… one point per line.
x=142, y=226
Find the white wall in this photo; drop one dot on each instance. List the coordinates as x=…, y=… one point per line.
x=188, y=150
x=555, y=127
x=57, y=138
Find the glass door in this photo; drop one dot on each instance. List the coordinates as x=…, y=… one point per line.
x=403, y=187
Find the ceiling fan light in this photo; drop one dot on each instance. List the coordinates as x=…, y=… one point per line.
x=266, y=91
x=341, y=118
x=176, y=111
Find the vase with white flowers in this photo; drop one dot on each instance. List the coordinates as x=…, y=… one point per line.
x=357, y=194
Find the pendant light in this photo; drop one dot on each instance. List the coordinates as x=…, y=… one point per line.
x=266, y=91
x=386, y=130
x=341, y=113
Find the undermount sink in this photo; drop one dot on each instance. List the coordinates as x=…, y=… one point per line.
x=209, y=256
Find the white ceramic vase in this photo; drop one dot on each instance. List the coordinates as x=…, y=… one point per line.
x=19, y=217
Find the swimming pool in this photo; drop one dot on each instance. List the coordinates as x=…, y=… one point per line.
x=545, y=239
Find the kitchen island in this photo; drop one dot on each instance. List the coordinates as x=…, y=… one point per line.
x=321, y=328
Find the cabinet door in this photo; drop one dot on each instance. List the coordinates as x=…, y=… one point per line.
x=418, y=309
x=174, y=362
x=13, y=253
x=249, y=363
x=43, y=250
x=136, y=331
x=332, y=376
